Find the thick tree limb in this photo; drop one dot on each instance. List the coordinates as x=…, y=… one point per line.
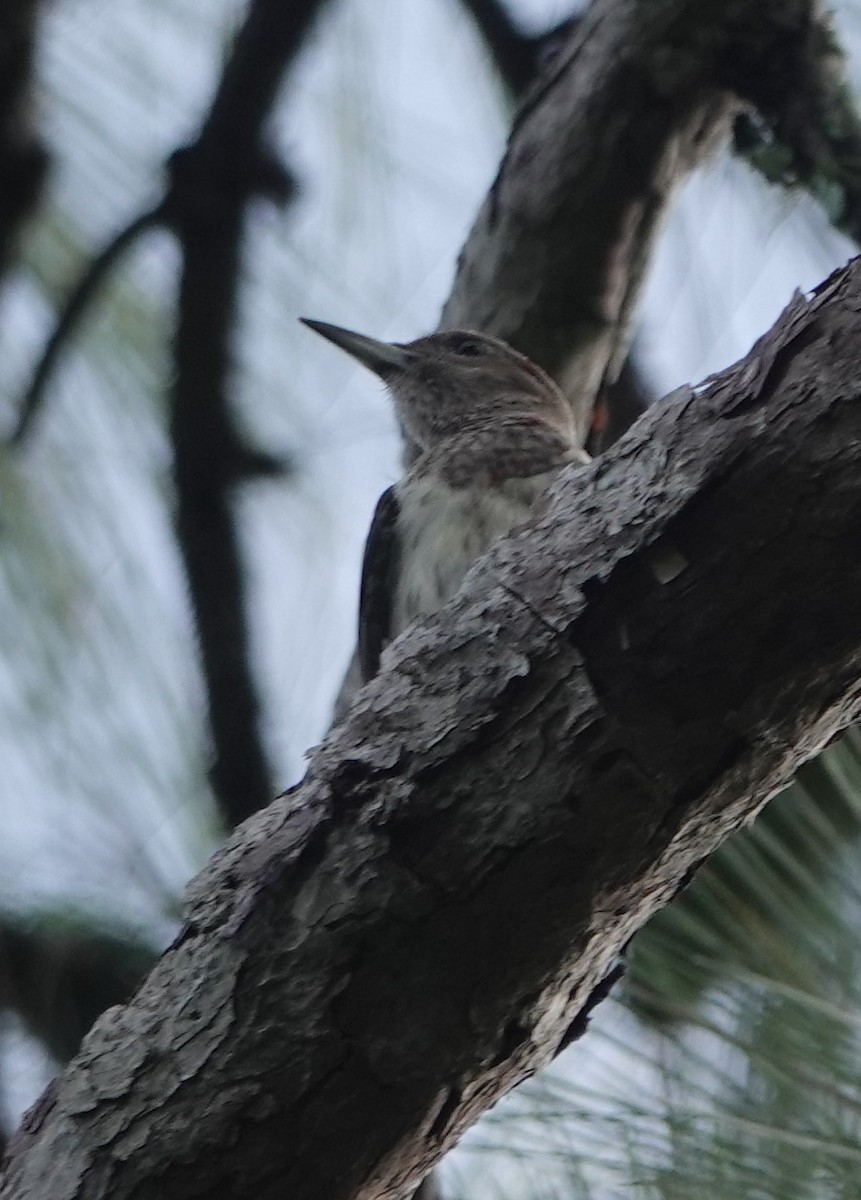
x=638, y=95
x=554, y=259
x=800, y=126
x=381, y=954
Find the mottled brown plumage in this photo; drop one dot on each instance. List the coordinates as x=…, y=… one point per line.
x=490, y=430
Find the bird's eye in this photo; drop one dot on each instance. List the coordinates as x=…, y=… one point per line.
x=469, y=347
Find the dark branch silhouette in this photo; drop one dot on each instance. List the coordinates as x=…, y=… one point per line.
x=804, y=128
x=208, y=182
x=517, y=56
x=534, y=772
x=513, y=52
x=23, y=158
x=71, y=314
x=209, y=186
x=224, y=167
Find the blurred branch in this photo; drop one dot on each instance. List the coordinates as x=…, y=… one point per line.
x=555, y=258
x=59, y=974
x=210, y=184
x=59, y=981
x=518, y=58
x=23, y=159
x=803, y=128
x=515, y=54
x=72, y=312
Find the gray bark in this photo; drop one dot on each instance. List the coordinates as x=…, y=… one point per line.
x=381, y=954
x=640, y=94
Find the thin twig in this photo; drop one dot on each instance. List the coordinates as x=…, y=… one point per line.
x=71, y=314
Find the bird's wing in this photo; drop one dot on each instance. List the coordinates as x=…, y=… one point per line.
x=379, y=577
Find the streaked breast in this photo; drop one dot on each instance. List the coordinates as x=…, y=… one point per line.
x=443, y=530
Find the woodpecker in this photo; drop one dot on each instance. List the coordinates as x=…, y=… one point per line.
x=488, y=430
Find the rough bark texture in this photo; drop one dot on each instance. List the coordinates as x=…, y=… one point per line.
x=378, y=956
x=637, y=96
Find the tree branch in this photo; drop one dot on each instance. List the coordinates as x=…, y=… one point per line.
x=58, y=973
x=48, y=971
x=536, y=770
x=800, y=126
x=23, y=159
x=71, y=314
x=515, y=55
x=636, y=97
x=805, y=128
x=210, y=183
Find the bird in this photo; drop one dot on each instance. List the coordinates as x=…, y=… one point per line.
x=488, y=430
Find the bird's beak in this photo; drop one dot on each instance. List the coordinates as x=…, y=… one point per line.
x=380, y=357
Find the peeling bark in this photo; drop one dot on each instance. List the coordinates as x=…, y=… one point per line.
x=385, y=951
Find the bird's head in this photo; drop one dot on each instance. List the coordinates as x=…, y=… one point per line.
x=449, y=382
